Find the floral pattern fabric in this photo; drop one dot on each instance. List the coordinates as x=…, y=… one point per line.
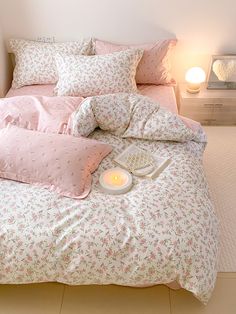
x=161, y=231
x=97, y=75
x=155, y=65
x=58, y=162
x=133, y=115
x=35, y=62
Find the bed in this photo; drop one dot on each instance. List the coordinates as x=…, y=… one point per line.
x=163, y=231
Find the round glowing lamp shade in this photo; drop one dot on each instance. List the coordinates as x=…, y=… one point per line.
x=115, y=181
x=195, y=76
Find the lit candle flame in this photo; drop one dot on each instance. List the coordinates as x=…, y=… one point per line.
x=115, y=178
x=115, y=181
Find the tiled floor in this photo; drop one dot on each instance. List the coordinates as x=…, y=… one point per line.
x=52, y=298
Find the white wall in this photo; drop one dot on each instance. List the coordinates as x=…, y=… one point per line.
x=203, y=27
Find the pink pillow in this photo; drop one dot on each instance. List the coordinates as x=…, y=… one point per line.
x=59, y=162
x=45, y=114
x=154, y=67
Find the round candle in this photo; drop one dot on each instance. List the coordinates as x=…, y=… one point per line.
x=115, y=181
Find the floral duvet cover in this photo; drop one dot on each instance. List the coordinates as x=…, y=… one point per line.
x=163, y=230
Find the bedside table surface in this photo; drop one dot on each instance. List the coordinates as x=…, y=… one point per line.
x=207, y=93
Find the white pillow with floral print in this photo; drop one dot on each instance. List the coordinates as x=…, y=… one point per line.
x=97, y=75
x=35, y=62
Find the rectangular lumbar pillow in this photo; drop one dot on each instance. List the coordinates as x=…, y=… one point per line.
x=35, y=63
x=62, y=163
x=97, y=75
x=154, y=67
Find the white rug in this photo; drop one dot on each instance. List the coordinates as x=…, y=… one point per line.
x=220, y=167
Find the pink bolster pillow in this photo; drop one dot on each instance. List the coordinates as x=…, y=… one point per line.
x=154, y=67
x=60, y=162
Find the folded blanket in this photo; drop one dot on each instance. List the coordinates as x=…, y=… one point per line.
x=133, y=115
x=39, y=113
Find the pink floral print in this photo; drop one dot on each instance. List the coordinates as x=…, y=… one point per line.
x=97, y=75
x=35, y=62
x=133, y=115
x=155, y=65
x=161, y=231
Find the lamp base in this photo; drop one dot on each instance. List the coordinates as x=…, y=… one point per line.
x=193, y=91
x=193, y=88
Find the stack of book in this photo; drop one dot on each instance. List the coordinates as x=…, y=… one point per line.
x=142, y=163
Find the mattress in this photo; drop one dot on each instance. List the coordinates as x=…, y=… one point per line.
x=165, y=95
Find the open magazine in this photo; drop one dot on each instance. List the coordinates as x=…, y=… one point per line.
x=142, y=163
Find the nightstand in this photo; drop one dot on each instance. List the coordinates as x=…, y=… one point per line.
x=209, y=107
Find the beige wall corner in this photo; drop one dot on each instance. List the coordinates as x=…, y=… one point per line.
x=5, y=68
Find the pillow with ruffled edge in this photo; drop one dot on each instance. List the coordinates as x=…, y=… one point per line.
x=155, y=65
x=35, y=63
x=59, y=162
x=39, y=113
x=97, y=75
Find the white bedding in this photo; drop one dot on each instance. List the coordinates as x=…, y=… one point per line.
x=163, y=230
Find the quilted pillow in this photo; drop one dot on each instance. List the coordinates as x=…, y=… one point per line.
x=154, y=67
x=35, y=63
x=96, y=75
x=59, y=162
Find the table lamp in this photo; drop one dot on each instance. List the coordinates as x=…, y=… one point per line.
x=195, y=76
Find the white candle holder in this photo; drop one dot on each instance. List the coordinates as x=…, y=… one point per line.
x=115, y=181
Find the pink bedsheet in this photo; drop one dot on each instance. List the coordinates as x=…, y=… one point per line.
x=163, y=94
